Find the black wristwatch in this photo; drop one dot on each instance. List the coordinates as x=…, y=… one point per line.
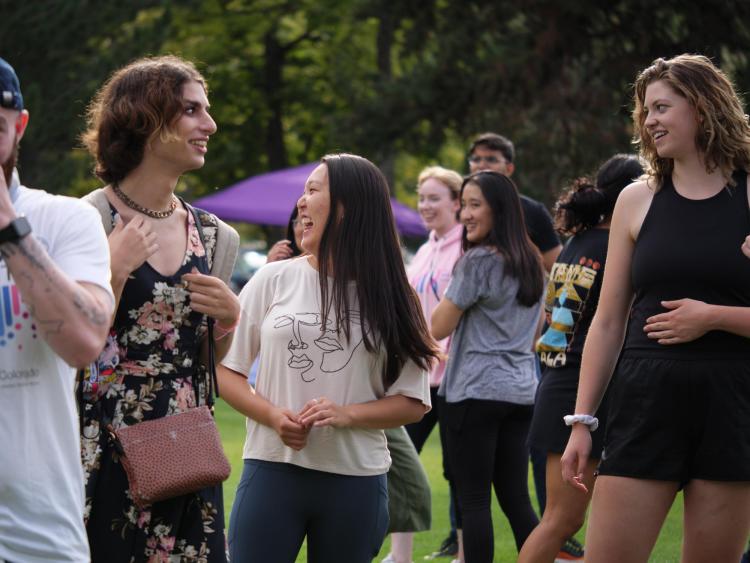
x=15, y=231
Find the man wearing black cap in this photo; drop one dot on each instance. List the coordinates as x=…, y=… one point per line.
x=55, y=309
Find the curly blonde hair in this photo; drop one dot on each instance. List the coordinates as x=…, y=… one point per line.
x=724, y=134
x=139, y=102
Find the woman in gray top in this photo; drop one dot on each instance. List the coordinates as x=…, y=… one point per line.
x=490, y=381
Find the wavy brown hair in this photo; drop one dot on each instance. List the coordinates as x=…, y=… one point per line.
x=724, y=135
x=137, y=103
x=361, y=245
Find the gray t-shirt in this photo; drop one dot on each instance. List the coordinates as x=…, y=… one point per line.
x=491, y=354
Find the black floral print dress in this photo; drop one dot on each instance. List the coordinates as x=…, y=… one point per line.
x=146, y=372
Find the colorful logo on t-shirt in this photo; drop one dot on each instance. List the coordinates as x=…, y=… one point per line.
x=330, y=352
x=567, y=291
x=14, y=318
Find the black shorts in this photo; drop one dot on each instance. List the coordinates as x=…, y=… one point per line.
x=677, y=420
x=556, y=397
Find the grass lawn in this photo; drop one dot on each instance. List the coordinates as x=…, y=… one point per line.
x=232, y=427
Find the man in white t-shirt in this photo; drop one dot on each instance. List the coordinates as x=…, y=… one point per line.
x=55, y=310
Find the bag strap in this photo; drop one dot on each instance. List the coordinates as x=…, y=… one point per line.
x=101, y=203
x=213, y=382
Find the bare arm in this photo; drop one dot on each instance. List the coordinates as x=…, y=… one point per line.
x=605, y=337
x=388, y=412
x=445, y=319
x=73, y=318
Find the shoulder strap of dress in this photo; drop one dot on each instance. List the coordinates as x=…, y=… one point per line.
x=101, y=203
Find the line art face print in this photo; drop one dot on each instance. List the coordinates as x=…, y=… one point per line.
x=316, y=349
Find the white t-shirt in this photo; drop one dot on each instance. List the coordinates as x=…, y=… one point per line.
x=281, y=320
x=41, y=480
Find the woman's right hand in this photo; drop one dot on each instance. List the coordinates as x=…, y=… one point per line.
x=286, y=424
x=576, y=456
x=131, y=245
x=282, y=250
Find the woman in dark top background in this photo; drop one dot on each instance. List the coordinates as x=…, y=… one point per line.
x=679, y=406
x=584, y=211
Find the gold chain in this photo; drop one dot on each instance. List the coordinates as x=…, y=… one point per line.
x=150, y=212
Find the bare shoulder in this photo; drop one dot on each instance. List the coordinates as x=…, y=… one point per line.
x=633, y=204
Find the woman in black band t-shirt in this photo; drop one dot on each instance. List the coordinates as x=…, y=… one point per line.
x=679, y=406
x=575, y=281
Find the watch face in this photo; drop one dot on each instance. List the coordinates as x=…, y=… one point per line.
x=15, y=231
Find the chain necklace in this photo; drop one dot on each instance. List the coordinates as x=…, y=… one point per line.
x=150, y=212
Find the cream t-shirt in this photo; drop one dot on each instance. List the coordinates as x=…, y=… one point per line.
x=280, y=321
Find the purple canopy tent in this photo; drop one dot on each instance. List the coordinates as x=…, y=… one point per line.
x=268, y=199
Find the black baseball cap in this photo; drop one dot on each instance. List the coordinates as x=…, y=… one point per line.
x=10, y=88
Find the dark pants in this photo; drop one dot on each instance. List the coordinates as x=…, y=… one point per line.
x=486, y=447
x=278, y=504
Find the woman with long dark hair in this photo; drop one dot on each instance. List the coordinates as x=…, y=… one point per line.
x=676, y=300
x=344, y=352
x=148, y=125
x=583, y=212
x=490, y=380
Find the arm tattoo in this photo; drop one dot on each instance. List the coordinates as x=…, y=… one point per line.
x=40, y=261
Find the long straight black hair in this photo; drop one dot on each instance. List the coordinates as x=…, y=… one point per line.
x=360, y=244
x=508, y=234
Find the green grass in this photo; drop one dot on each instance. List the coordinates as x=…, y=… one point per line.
x=232, y=428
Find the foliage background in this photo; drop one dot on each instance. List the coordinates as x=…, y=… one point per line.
x=404, y=83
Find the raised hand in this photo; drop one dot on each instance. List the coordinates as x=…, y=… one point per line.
x=282, y=250
x=211, y=296
x=131, y=244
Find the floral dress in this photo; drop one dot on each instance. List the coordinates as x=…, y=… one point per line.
x=146, y=372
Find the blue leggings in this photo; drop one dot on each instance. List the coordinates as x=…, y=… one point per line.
x=345, y=518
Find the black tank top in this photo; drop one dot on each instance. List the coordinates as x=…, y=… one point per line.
x=691, y=249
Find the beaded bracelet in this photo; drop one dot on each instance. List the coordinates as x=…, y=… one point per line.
x=220, y=332
x=586, y=419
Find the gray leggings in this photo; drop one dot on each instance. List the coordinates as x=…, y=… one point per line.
x=344, y=518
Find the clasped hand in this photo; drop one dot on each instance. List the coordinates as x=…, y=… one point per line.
x=293, y=429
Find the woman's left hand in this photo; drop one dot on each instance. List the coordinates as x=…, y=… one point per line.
x=686, y=321
x=211, y=296
x=324, y=412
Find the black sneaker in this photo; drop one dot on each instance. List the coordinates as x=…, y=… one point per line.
x=448, y=548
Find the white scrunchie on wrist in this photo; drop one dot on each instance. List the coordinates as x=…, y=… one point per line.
x=586, y=419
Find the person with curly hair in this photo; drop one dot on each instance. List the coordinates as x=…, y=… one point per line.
x=148, y=125
x=676, y=299
x=584, y=213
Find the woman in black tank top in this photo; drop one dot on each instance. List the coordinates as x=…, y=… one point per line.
x=676, y=300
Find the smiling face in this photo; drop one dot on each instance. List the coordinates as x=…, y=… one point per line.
x=314, y=207
x=185, y=145
x=476, y=213
x=671, y=122
x=437, y=206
